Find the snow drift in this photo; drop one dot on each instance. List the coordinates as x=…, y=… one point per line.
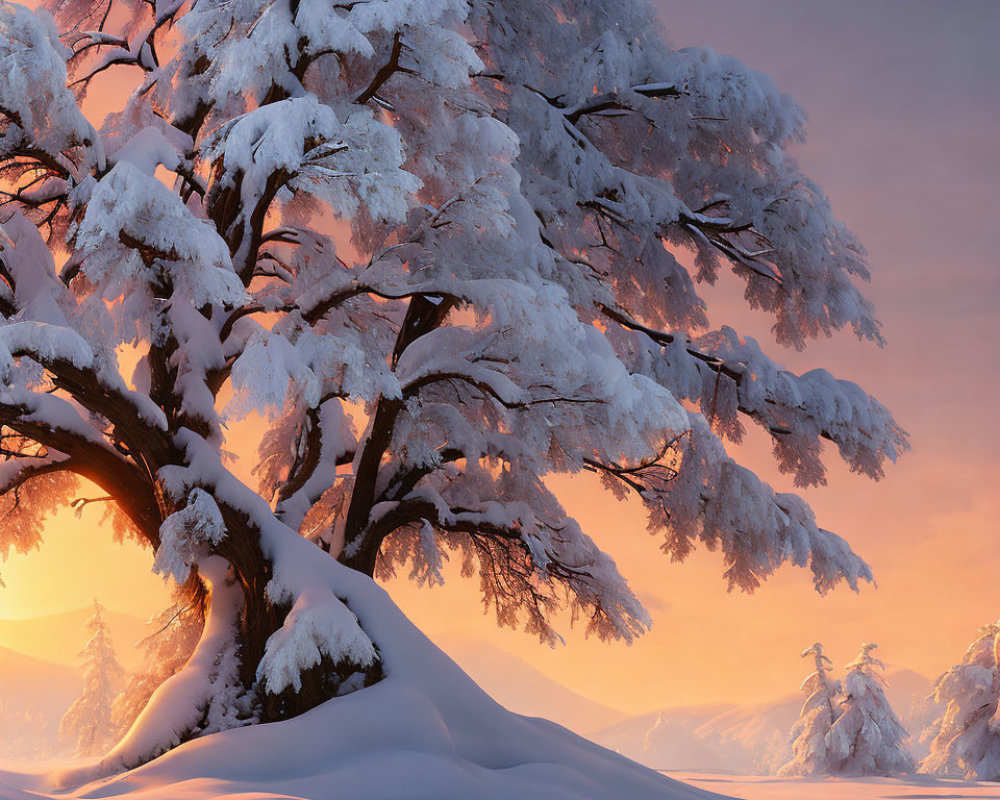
x=425, y=731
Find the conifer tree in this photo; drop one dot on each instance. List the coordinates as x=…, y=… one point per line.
x=810, y=734
x=967, y=736
x=87, y=725
x=867, y=738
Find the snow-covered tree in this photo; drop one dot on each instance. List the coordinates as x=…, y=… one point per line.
x=967, y=737
x=446, y=248
x=867, y=738
x=811, y=732
x=87, y=724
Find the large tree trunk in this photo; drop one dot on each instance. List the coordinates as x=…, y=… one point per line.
x=252, y=571
x=260, y=617
x=240, y=618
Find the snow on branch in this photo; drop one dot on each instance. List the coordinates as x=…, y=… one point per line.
x=14, y=473
x=187, y=535
x=714, y=500
x=41, y=119
x=512, y=530
x=730, y=376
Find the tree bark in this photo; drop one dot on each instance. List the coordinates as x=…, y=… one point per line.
x=260, y=617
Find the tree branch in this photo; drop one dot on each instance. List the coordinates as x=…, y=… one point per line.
x=386, y=71
x=43, y=418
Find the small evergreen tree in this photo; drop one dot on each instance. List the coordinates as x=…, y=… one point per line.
x=811, y=732
x=967, y=736
x=867, y=738
x=87, y=723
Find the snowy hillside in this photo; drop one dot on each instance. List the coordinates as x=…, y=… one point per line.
x=752, y=739
x=33, y=696
x=521, y=688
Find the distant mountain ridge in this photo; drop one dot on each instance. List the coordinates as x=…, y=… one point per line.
x=59, y=637
x=521, y=688
x=34, y=694
x=745, y=739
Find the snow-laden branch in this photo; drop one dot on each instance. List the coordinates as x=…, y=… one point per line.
x=730, y=376
x=523, y=542
x=714, y=500
x=40, y=114
x=57, y=424
x=16, y=472
x=323, y=448
x=75, y=368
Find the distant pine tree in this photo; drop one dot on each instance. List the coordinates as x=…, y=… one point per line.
x=87, y=724
x=810, y=734
x=967, y=736
x=867, y=738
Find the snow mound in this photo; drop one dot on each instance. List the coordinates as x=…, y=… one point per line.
x=425, y=731
x=393, y=742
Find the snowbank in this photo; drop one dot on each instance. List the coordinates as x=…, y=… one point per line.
x=394, y=742
x=426, y=731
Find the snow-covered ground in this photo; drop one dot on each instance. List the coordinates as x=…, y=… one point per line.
x=388, y=742
x=367, y=745
x=425, y=732
x=381, y=774
x=914, y=787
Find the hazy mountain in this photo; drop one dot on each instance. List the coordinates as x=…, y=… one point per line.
x=750, y=739
x=34, y=694
x=60, y=637
x=54, y=686
x=40, y=674
x=520, y=687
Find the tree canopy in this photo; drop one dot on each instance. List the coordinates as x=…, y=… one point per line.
x=447, y=249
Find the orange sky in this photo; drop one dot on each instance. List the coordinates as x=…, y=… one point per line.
x=901, y=138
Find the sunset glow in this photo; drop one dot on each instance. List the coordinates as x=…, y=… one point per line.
x=928, y=529
x=409, y=297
